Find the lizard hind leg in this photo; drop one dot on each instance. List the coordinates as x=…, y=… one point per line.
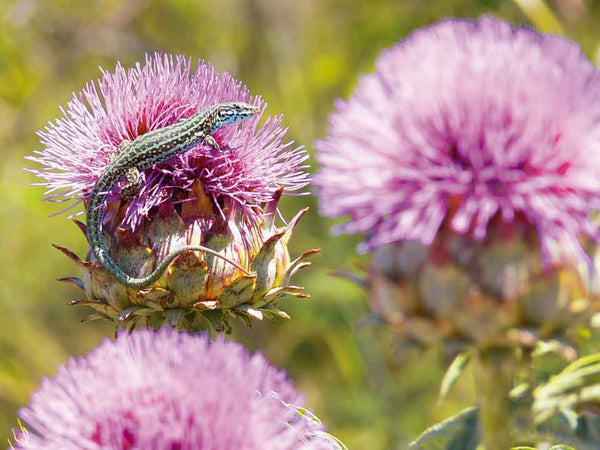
x=133, y=186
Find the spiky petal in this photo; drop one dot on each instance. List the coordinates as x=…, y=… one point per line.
x=168, y=390
x=463, y=121
x=129, y=102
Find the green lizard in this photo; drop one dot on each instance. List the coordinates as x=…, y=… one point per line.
x=142, y=153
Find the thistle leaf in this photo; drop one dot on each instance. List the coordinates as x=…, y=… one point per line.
x=287, y=234
x=127, y=313
x=100, y=307
x=74, y=281
x=265, y=273
x=453, y=373
x=270, y=311
x=251, y=311
x=577, y=384
x=174, y=316
x=460, y=432
x=187, y=280
x=570, y=430
x=238, y=292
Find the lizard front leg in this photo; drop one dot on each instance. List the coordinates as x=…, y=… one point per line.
x=133, y=186
x=209, y=140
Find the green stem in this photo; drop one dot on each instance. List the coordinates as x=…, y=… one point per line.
x=493, y=381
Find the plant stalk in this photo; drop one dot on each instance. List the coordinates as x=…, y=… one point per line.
x=493, y=380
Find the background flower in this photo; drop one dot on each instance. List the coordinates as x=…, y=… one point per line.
x=461, y=122
x=168, y=390
x=469, y=158
x=130, y=102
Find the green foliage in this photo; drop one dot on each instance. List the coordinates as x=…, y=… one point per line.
x=568, y=428
x=453, y=373
x=460, y=432
x=551, y=413
x=576, y=386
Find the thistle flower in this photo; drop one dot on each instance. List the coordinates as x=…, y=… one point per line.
x=225, y=201
x=128, y=103
x=464, y=121
x=168, y=390
x=469, y=159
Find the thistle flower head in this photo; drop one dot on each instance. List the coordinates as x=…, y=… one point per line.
x=225, y=201
x=168, y=390
x=130, y=102
x=466, y=122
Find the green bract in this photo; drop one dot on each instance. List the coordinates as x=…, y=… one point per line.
x=198, y=290
x=491, y=293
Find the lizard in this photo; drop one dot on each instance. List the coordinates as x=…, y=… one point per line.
x=142, y=153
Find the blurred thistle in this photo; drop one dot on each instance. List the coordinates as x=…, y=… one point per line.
x=470, y=160
x=225, y=201
x=173, y=390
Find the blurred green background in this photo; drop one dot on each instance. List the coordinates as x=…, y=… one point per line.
x=300, y=56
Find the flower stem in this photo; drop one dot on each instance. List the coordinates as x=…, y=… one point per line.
x=493, y=379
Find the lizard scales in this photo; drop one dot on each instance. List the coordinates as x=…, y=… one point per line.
x=144, y=152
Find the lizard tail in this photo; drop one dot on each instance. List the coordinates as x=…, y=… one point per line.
x=128, y=280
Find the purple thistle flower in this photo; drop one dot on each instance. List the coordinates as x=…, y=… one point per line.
x=168, y=390
x=464, y=122
x=127, y=103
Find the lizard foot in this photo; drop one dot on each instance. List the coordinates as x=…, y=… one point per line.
x=134, y=183
x=209, y=140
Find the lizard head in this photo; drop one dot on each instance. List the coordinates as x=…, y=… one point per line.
x=234, y=112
